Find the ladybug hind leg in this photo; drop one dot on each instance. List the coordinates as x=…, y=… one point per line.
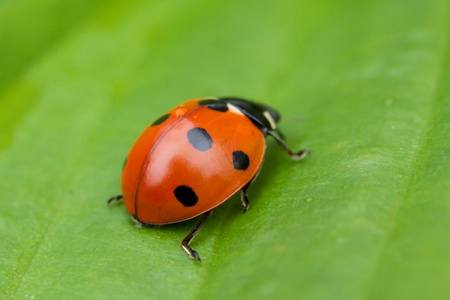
x=115, y=198
x=294, y=155
x=188, y=238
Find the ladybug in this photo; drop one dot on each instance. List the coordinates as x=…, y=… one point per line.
x=195, y=157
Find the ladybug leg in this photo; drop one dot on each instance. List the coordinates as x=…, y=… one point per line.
x=115, y=198
x=244, y=196
x=188, y=238
x=294, y=155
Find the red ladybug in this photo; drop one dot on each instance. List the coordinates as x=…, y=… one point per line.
x=195, y=157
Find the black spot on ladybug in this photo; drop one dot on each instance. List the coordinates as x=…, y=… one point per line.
x=240, y=160
x=186, y=195
x=214, y=105
x=199, y=138
x=219, y=106
x=160, y=119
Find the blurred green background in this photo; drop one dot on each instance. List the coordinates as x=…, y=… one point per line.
x=365, y=85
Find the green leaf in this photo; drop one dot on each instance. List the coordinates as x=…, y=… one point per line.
x=365, y=85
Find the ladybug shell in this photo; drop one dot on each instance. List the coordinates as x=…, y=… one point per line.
x=189, y=161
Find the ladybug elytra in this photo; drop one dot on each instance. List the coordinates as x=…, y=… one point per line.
x=195, y=157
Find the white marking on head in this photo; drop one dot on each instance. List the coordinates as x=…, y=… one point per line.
x=234, y=109
x=269, y=118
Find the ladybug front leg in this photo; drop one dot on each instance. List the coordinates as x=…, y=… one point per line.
x=115, y=198
x=188, y=238
x=294, y=155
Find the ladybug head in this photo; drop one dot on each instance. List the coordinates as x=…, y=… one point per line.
x=263, y=116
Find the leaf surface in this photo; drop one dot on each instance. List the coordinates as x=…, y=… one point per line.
x=364, y=85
